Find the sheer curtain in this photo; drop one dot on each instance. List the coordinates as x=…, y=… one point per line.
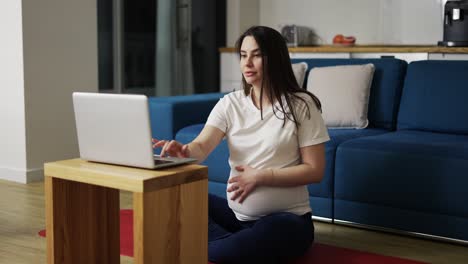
x=174, y=75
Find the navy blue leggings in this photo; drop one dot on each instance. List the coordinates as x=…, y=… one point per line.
x=275, y=238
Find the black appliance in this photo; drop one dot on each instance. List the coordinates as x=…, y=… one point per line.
x=455, y=24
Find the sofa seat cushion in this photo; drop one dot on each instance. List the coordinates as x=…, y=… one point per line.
x=321, y=194
x=412, y=170
x=337, y=136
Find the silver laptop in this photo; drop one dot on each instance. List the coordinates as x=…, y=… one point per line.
x=115, y=128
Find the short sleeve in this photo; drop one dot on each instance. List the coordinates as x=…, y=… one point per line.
x=311, y=131
x=218, y=116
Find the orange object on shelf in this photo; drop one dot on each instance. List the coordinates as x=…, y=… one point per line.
x=344, y=40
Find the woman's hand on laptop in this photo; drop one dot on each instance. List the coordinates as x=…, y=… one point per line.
x=172, y=148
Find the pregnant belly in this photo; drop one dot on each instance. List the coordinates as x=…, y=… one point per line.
x=267, y=200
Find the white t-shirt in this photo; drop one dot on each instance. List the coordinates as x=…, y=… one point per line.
x=265, y=144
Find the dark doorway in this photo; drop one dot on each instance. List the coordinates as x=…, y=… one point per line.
x=127, y=62
x=208, y=35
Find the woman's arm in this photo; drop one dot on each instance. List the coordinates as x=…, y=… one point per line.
x=310, y=171
x=205, y=142
x=199, y=148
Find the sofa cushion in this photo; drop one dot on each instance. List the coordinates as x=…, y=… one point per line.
x=321, y=194
x=434, y=97
x=411, y=171
x=385, y=89
x=370, y=169
x=168, y=114
x=299, y=70
x=337, y=136
x=344, y=94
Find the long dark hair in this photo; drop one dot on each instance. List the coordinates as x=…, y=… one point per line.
x=278, y=75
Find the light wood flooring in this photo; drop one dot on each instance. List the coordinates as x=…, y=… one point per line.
x=22, y=216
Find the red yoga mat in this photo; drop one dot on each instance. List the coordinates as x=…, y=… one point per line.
x=318, y=253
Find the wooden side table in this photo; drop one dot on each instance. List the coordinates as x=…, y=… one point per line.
x=82, y=212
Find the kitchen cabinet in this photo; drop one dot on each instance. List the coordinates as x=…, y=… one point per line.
x=231, y=76
x=448, y=56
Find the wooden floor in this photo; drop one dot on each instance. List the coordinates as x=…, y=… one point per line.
x=22, y=216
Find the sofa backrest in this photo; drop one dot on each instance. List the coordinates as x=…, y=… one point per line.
x=168, y=114
x=385, y=90
x=435, y=96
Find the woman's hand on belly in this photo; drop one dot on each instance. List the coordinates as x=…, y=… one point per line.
x=265, y=200
x=244, y=183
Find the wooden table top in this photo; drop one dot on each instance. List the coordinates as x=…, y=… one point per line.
x=122, y=177
x=370, y=49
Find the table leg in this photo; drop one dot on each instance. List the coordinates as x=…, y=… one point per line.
x=171, y=224
x=82, y=222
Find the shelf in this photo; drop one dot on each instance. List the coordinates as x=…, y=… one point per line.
x=369, y=49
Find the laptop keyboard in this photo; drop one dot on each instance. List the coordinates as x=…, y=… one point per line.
x=158, y=161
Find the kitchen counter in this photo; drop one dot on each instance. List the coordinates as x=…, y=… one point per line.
x=229, y=61
x=369, y=49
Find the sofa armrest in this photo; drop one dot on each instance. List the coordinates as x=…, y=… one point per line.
x=169, y=114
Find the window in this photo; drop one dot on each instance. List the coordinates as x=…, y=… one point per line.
x=126, y=46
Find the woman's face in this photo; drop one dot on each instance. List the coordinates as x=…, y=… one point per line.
x=251, y=61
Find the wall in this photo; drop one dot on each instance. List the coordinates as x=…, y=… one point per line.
x=60, y=47
x=58, y=57
x=411, y=22
x=327, y=18
x=12, y=117
x=241, y=14
x=370, y=21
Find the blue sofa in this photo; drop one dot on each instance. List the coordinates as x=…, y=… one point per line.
x=406, y=171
